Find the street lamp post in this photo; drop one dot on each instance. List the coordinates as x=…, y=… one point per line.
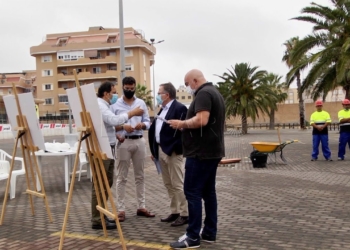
x=154, y=80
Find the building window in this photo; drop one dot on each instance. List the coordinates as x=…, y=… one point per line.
x=47, y=72
x=112, y=53
x=60, y=57
x=64, y=85
x=47, y=86
x=10, y=91
x=111, y=39
x=189, y=97
x=63, y=98
x=183, y=97
x=129, y=67
x=46, y=59
x=128, y=53
x=48, y=101
x=144, y=59
x=62, y=41
x=177, y=98
x=96, y=70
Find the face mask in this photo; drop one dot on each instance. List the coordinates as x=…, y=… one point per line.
x=189, y=90
x=159, y=100
x=114, y=99
x=128, y=93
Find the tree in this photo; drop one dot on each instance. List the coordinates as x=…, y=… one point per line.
x=273, y=81
x=294, y=74
x=327, y=48
x=144, y=94
x=244, y=93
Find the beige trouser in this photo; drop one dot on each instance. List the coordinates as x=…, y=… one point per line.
x=173, y=178
x=134, y=150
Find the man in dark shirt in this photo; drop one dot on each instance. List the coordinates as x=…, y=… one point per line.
x=203, y=147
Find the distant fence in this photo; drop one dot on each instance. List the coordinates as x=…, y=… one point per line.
x=332, y=126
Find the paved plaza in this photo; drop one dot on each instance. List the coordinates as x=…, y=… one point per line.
x=298, y=205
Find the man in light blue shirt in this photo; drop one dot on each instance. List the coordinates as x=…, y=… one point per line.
x=133, y=148
x=107, y=95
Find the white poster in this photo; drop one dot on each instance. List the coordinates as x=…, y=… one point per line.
x=91, y=105
x=27, y=105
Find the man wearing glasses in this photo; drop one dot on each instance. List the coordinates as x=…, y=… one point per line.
x=166, y=146
x=132, y=148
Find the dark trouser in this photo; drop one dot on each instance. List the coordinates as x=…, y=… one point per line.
x=316, y=139
x=344, y=139
x=199, y=184
x=109, y=168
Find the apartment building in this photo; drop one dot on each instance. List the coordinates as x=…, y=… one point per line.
x=95, y=55
x=182, y=96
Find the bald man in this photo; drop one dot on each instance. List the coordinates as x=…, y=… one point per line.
x=203, y=147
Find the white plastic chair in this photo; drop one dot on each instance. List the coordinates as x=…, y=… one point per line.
x=5, y=171
x=83, y=161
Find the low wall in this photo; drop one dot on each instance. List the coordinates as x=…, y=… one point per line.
x=46, y=129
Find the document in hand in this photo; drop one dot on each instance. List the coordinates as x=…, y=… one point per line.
x=161, y=118
x=156, y=162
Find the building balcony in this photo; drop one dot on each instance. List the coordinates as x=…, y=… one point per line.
x=63, y=106
x=87, y=61
x=61, y=91
x=87, y=76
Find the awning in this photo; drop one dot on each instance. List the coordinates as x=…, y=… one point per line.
x=90, y=53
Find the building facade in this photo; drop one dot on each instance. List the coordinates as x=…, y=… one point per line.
x=183, y=96
x=95, y=55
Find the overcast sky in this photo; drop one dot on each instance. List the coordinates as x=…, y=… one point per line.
x=210, y=35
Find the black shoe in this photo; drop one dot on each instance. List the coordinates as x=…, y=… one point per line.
x=185, y=242
x=109, y=226
x=181, y=220
x=329, y=159
x=109, y=220
x=170, y=218
x=207, y=238
x=313, y=159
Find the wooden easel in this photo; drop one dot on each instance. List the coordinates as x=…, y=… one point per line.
x=28, y=152
x=100, y=180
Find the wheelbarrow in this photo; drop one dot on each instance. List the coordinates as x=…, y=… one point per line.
x=271, y=147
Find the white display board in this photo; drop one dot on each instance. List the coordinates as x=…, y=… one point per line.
x=10, y=101
x=91, y=105
x=27, y=105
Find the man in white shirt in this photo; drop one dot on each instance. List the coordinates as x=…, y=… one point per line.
x=132, y=149
x=107, y=95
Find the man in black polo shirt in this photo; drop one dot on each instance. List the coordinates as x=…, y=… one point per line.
x=203, y=147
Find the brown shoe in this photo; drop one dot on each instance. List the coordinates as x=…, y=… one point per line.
x=182, y=220
x=144, y=212
x=121, y=216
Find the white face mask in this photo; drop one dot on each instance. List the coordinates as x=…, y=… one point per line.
x=190, y=90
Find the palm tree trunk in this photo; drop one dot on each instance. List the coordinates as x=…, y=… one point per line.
x=272, y=119
x=347, y=91
x=301, y=103
x=244, y=122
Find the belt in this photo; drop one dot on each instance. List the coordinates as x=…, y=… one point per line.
x=133, y=137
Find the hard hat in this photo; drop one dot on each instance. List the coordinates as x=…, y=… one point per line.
x=318, y=103
x=346, y=101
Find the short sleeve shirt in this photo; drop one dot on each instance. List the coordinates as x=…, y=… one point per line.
x=206, y=142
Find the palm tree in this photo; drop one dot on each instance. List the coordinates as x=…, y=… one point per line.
x=294, y=74
x=144, y=94
x=273, y=81
x=327, y=48
x=244, y=93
